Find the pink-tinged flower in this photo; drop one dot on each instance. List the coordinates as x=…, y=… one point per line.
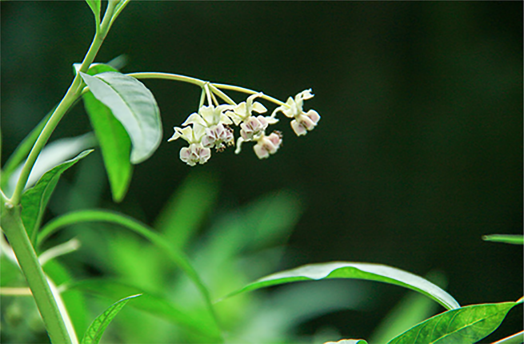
x=293, y=108
x=267, y=145
x=195, y=154
x=244, y=110
x=305, y=122
x=253, y=127
x=216, y=136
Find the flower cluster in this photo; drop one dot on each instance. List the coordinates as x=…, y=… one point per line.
x=211, y=126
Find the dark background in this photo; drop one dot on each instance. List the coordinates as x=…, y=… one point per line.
x=418, y=152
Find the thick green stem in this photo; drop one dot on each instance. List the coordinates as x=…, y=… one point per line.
x=36, y=279
x=11, y=211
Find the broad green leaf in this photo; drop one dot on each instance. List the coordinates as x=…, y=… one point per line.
x=134, y=106
x=98, y=326
x=505, y=238
x=34, y=201
x=95, y=7
x=149, y=302
x=114, y=141
x=366, y=271
x=465, y=325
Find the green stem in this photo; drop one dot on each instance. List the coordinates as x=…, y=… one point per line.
x=248, y=91
x=67, y=101
x=36, y=279
x=168, y=76
x=11, y=211
x=201, y=83
x=222, y=95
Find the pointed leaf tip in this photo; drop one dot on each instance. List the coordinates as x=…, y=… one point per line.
x=98, y=326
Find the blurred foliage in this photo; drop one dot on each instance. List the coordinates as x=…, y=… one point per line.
x=418, y=153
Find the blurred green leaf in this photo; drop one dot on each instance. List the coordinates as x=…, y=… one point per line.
x=187, y=208
x=366, y=271
x=134, y=106
x=505, y=238
x=465, y=325
x=52, y=155
x=174, y=254
x=22, y=151
x=34, y=201
x=114, y=141
x=96, y=329
x=157, y=305
x=95, y=7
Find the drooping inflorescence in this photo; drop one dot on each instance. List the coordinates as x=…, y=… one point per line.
x=211, y=126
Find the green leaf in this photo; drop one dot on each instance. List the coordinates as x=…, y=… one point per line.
x=505, y=238
x=98, y=326
x=411, y=310
x=154, y=304
x=517, y=338
x=187, y=208
x=34, y=200
x=52, y=155
x=173, y=253
x=22, y=151
x=134, y=106
x=114, y=141
x=465, y=325
x=95, y=7
x=366, y=271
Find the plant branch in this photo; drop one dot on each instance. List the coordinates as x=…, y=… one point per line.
x=36, y=279
x=72, y=94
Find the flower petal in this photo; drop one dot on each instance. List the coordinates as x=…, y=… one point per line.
x=298, y=128
x=257, y=107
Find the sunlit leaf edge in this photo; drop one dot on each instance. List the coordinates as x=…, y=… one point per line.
x=352, y=270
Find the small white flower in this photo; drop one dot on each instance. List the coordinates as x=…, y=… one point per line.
x=304, y=122
x=216, y=136
x=189, y=134
x=293, y=108
x=255, y=126
x=243, y=111
x=209, y=116
x=195, y=154
x=267, y=145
